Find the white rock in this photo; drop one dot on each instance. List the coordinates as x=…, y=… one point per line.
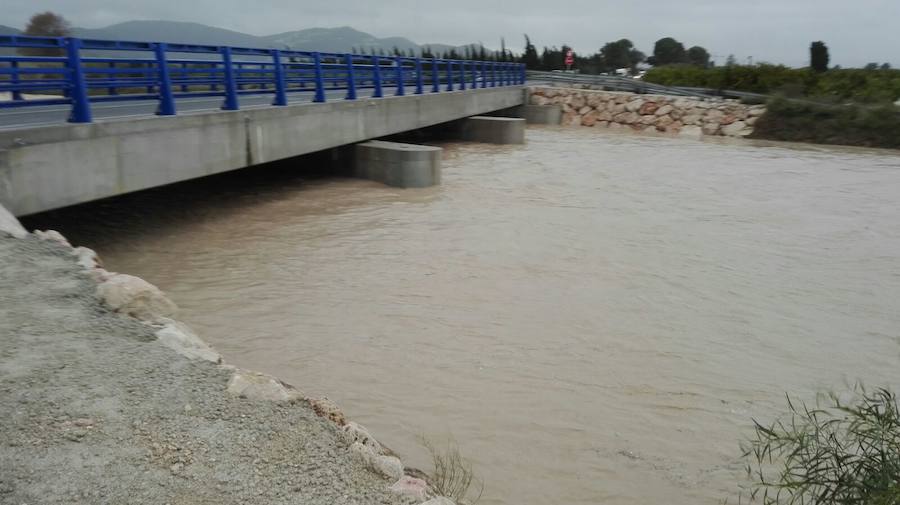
x=691, y=131
x=52, y=235
x=634, y=105
x=179, y=337
x=87, y=258
x=539, y=100
x=10, y=225
x=257, y=386
x=757, y=111
x=389, y=466
x=665, y=109
x=710, y=128
x=363, y=453
x=136, y=297
x=737, y=129
x=355, y=433
x=412, y=487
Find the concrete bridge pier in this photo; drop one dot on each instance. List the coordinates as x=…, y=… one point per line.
x=397, y=164
x=493, y=129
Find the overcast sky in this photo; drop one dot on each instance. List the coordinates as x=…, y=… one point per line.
x=780, y=31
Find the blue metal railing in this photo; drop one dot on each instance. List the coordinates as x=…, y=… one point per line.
x=59, y=69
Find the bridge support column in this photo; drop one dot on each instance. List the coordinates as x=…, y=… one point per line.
x=493, y=130
x=395, y=164
x=542, y=114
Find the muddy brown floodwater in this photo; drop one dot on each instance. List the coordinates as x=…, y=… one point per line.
x=594, y=318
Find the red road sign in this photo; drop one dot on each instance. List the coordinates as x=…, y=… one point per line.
x=570, y=57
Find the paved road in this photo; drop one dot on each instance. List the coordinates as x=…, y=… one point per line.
x=26, y=117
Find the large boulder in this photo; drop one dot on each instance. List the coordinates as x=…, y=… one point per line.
x=691, y=131
x=258, y=386
x=737, y=129
x=649, y=108
x=323, y=407
x=539, y=100
x=179, y=337
x=634, y=105
x=589, y=119
x=665, y=109
x=711, y=128
x=412, y=487
x=357, y=434
x=53, y=236
x=135, y=297
x=389, y=466
x=10, y=225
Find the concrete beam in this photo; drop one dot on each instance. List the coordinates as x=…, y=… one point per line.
x=494, y=130
x=541, y=114
x=50, y=167
x=396, y=164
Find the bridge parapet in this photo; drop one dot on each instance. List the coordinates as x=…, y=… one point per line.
x=83, y=72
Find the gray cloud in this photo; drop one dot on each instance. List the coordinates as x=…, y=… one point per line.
x=780, y=31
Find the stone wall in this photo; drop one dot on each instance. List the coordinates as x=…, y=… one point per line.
x=692, y=117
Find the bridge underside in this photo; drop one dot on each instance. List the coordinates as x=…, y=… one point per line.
x=51, y=167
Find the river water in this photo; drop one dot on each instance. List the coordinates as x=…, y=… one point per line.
x=594, y=318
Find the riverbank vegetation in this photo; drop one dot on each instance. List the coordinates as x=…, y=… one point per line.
x=835, y=452
x=868, y=125
x=867, y=85
x=453, y=475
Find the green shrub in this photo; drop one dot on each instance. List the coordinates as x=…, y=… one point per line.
x=833, y=454
x=863, y=85
x=855, y=124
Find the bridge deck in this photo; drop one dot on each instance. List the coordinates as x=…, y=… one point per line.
x=47, y=167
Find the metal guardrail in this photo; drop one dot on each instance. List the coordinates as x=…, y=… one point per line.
x=167, y=72
x=618, y=83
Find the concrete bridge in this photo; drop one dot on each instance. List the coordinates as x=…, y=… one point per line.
x=274, y=105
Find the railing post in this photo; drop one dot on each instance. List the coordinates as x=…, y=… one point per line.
x=184, y=78
x=483, y=74
x=231, y=98
x=398, y=71
x=474, y=70
x=493, y=74
x=14, y=77
x=280, y=91
x=376, y=77
x=81, y=107
x=112, y=76
x=166, y=99
x=351, y=79
x=462, y=75
x=320, y=82
x=435, y=77
x=449, y=75
x=523, y=77
x=420, y=79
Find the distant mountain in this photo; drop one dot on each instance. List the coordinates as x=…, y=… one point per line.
x=173, y=32
x=338, y=40
x=332, y=40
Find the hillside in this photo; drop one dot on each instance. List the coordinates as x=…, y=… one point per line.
x=334, y=40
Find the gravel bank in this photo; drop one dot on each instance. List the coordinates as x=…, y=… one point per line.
x=93, y=410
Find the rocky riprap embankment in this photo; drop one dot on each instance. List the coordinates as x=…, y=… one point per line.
x=94, y=410
x=672, y=115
